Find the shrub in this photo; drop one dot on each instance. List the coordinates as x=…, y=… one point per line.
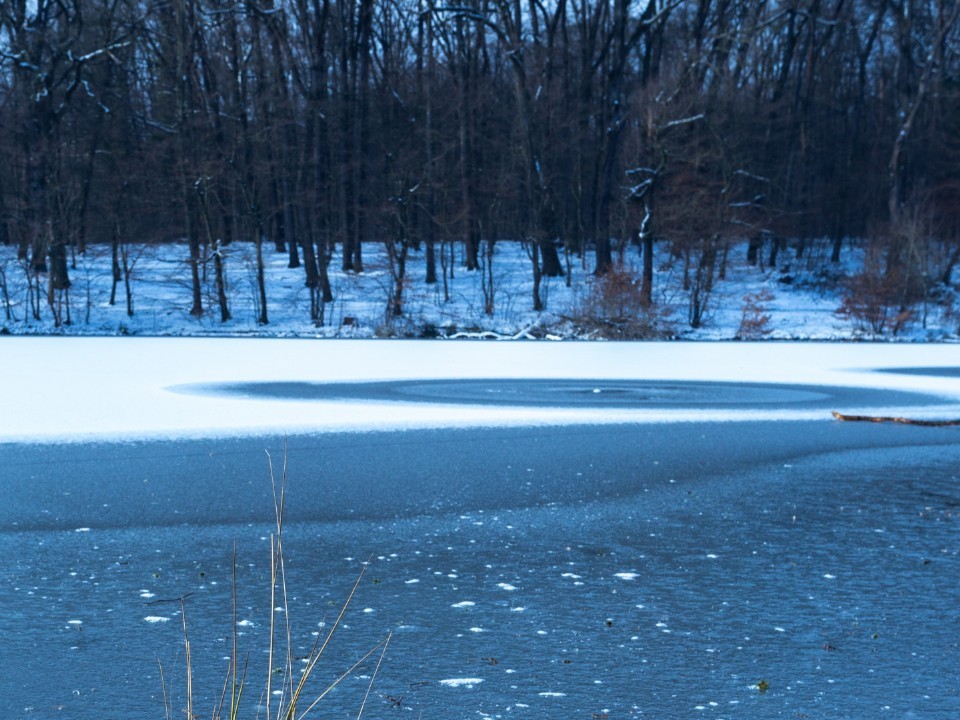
x=755, y=320
x=614, y=308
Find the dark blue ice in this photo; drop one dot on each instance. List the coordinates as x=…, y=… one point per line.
x=589, y=571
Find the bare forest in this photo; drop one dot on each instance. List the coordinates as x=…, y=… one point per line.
x=579, y=128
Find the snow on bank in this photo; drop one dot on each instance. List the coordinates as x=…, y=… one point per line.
x=798, y=299
x=56, y=389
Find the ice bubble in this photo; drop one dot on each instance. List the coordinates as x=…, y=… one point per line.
x=463, y=604
x=477, y=630
x=626, y=575
x=156, y=619
x=506, y=586
x=245, y=623
x=517, y=609
x=552, y=694
x=412, y=581
x=461, y=682
x=74, y=622
x=83, y=529
x=828, y=576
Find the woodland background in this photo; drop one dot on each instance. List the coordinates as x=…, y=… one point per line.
x=577, y=128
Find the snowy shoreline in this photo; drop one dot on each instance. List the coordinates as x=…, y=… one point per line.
x=800, y=300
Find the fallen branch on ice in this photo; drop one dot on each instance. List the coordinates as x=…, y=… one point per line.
x=901, y=420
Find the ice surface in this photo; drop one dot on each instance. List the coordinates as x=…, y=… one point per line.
x=96, y=401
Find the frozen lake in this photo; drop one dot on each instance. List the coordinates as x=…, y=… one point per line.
x=649, y=569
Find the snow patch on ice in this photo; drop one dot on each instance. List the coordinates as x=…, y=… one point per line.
x=461, y=682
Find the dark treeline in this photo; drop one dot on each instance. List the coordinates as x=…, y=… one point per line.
x=567, y=124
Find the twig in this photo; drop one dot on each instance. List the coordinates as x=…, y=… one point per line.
x=170, y=600
x=901, y=420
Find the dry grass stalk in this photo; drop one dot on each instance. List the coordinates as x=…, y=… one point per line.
x=292, y=694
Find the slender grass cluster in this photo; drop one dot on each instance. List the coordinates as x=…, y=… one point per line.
x=290, y=699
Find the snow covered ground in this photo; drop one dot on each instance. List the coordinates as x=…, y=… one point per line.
x=799, y=298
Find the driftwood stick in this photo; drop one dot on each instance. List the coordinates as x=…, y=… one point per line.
x=901, y=420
